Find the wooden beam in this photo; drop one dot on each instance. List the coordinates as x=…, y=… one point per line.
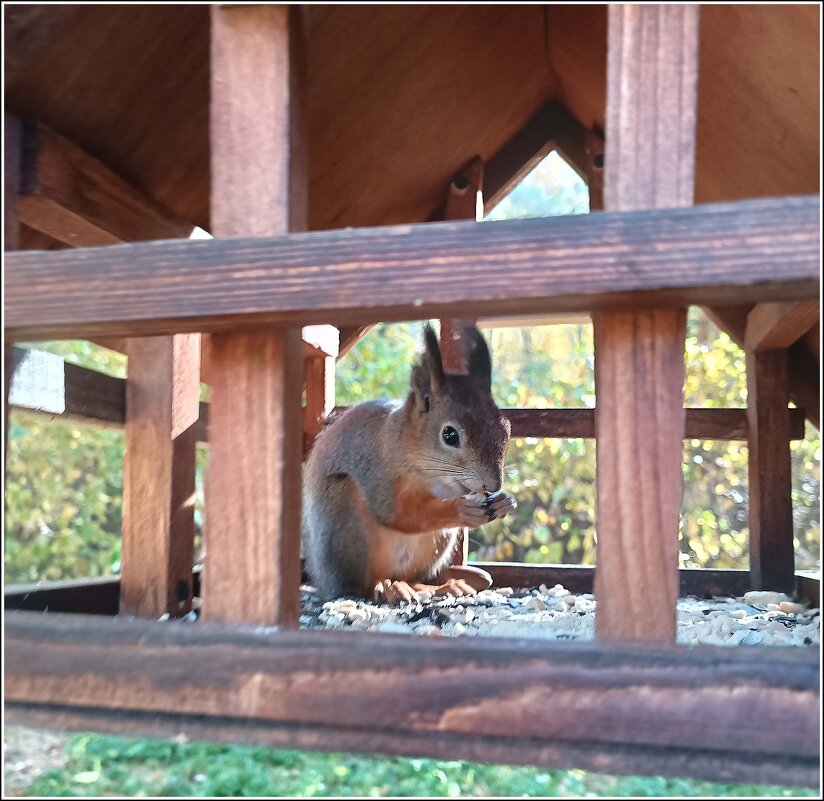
x=75, y=199
x=639, y=355
x=772, y=556
x=778, y=325
x=46, y=384
x=668, y=257
x=253, y=489
x=637, y=700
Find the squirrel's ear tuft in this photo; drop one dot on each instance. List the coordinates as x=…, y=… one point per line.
x=477, y=359
x=427, y=376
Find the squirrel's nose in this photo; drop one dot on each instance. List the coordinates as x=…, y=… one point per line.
x=493, y=485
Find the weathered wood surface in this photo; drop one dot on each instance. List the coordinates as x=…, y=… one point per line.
x=583, y=694
x=75, y=199
x=778, y=325
x=722, y=253
x=772, y=556
x=253, y=487
x=162, y=411
x=652, y=70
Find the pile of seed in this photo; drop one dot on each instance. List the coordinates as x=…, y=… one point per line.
x=757, y=618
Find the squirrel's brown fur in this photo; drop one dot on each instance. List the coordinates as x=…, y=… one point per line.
x=385, y=493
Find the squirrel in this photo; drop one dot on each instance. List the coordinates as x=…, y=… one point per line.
x=388, y=484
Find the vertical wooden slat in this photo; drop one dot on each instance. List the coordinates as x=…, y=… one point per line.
x=252, y=558
x=319, y=381
x=461, y=204
x=162, y=407
x=639, y=356
x=772, y=558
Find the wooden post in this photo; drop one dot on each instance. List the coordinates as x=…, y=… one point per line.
x=772, y=557
x=253, y=499
x=162, y=407
x=461, y=204
x=639, y=356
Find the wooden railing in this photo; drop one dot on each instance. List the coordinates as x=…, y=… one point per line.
x=630, y=702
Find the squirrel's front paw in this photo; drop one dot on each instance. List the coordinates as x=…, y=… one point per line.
x=476, y=509
x=500, y=504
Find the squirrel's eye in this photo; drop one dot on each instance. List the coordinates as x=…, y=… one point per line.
x=451, y=437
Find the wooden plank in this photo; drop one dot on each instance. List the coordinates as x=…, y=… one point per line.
x=667, y=257
x=712, y=423
x=639, y=355
x=252, y=566
x=772, y=558
x=779, y=325
x=75, y=199
x=159, y=475
x=638, y=697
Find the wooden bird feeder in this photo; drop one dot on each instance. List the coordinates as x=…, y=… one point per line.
x=334, y=154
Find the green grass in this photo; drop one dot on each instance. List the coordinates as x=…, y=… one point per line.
x=101, y=765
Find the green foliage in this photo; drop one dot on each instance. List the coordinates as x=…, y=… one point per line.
x=63, y=488
x=100, y=765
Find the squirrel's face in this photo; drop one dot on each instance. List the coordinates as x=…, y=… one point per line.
x=462, y=434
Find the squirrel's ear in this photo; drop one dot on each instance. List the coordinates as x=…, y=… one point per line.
x=476, y=355
x=427, y=376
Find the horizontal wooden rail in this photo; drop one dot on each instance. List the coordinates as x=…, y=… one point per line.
x=94, y=397
x=99, y=596
x=582, y=705
x=715, y=253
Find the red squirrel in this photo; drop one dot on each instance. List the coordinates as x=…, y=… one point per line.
x=388, y=484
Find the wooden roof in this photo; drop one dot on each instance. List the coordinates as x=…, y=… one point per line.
x=401, y=97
